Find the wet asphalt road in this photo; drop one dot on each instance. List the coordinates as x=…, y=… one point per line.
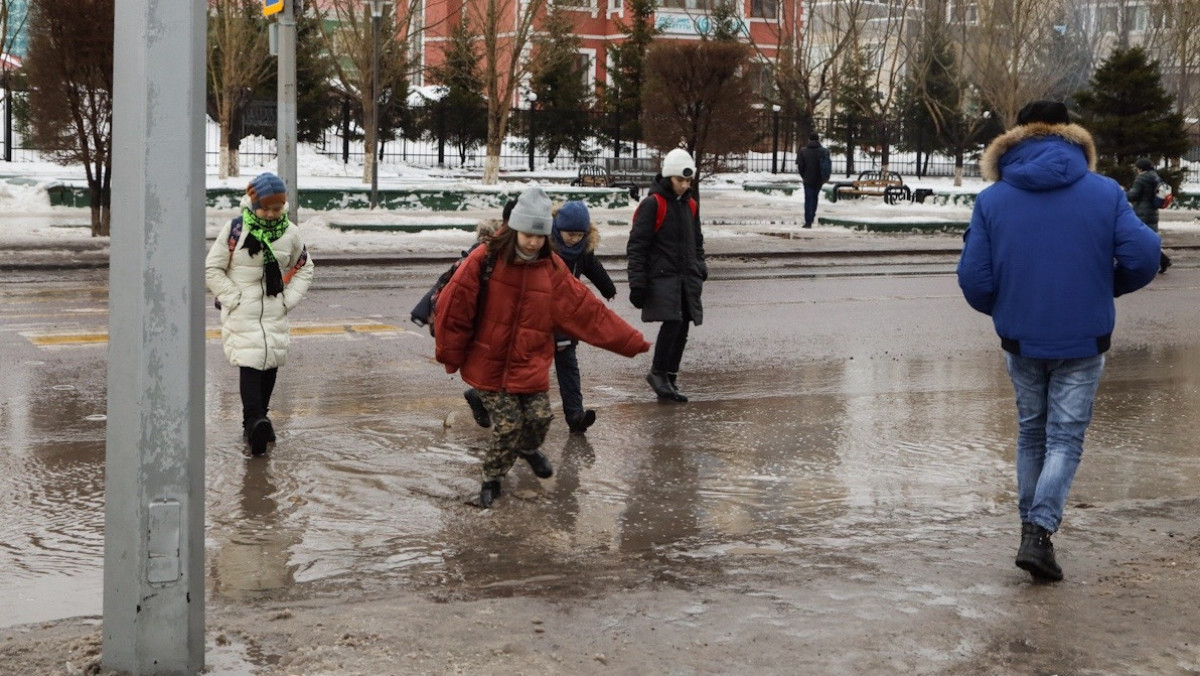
x=856, y=404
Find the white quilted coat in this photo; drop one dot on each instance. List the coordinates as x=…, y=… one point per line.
x=254, y=326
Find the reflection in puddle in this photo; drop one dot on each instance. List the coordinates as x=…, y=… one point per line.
x=367, y=483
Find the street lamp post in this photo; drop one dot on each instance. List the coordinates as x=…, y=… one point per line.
x=376, y=15
x=532, y=97
x=775, y=138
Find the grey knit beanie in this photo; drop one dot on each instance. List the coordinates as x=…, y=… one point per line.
x=531, y=215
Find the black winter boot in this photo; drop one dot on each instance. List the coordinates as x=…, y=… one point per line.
x=261, y=433
x=677, y=395
x=580, y=424
x=660, y=384
x=488, y=493
x=478, y=411
x=1036, y=554
x=540, y=464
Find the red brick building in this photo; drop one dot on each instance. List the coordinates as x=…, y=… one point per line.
x=766, y=24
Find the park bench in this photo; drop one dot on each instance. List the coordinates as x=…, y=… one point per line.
x=874, y=183
x=592, y=176
x=631, y=173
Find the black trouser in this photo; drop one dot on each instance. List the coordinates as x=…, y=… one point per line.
x=256, y=387
x=566, y=368
x=672, y=337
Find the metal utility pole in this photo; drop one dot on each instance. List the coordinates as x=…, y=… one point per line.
x=376, y=14
x=285, y=131
x=154, y=458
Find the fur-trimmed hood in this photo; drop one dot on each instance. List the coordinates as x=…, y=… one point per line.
x=1043, y=154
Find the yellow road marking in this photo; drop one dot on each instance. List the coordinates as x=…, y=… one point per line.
x=93, y=338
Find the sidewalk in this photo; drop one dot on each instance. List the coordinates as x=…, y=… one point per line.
x=736, y=223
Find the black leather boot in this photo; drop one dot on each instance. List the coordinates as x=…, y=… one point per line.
x=1036, y=554
x=488, y=493
x=580, y=424
x=261, y=433
x=478, y=411
x=677, y=395
x=540, y=464
x=660, y=384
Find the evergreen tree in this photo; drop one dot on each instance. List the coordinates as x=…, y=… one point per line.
x=459, y=115
x=622, y=96
x=1129, y=114
x=562, y=94
x=725, y=23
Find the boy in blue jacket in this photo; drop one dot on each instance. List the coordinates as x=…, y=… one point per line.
x=1050, y=245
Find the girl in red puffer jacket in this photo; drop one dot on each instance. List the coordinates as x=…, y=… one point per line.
x=502, y=340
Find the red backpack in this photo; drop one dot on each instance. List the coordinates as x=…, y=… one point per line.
x=662, y=210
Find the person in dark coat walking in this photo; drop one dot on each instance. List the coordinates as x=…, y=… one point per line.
x=666, y=267
x=1141, y=196
x=574, y=239
x=815, y=168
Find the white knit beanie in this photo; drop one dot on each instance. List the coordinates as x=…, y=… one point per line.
x=679, y=163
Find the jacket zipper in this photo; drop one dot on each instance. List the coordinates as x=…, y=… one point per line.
x=515, y=323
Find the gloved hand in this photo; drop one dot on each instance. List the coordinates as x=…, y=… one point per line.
x=637, y=297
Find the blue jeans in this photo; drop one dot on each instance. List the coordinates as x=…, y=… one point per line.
x=811, y=194
x=1054, y=407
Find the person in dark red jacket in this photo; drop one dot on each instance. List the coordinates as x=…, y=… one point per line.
x=501, y=341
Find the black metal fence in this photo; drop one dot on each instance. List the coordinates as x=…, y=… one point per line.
x=545, y=140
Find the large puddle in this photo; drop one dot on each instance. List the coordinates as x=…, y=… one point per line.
x=371, y=479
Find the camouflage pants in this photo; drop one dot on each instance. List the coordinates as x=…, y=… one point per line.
x=519, y=425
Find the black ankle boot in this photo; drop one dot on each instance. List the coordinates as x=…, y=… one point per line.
x=261, y=433
x=580, y=424
x=540, y=464
x=1036, y=554
x=676, y=394
x=478, y=411
x=660, y=384
x=488, y=493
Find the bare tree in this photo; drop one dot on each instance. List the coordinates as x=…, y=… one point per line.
x=1010, y=51
x=238, y=64
x=697, y=96
x=70, y=74
x=505, y=27
x=350, y=38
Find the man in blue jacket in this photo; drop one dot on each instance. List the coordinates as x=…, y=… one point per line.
x=1050, y=245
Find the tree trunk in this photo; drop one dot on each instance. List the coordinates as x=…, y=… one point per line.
x=370, y=140
x=491, y=165
x=223, y=142
x=234, y=156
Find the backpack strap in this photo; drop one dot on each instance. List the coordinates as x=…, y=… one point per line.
x=235, y=233
x=287, y=276
x=661, y=214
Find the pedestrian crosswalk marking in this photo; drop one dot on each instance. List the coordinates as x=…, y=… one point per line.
x=101, y=337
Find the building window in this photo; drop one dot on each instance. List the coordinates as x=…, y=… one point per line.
x=762, y=79
x=764, y=9
x=577, y=4
x=697, y=5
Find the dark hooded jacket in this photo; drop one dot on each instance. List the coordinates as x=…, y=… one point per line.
x=581, y=260
x=668, y=263
x=1051, y=243
x=1141, y=196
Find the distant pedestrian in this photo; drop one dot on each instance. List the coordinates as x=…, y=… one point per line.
x=259, y=270
x=502, y=340
x=666, y=267
x=815, y=169
x=1050, y=244
x=575, y=239
x=1142, y=196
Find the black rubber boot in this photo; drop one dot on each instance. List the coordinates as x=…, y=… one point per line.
x=488, y=493
x=540, y=464
x=660, y=384
x=677, y=395
x=482, y=418
x=1036, y=554
x=581, y=424
x=261, y=433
